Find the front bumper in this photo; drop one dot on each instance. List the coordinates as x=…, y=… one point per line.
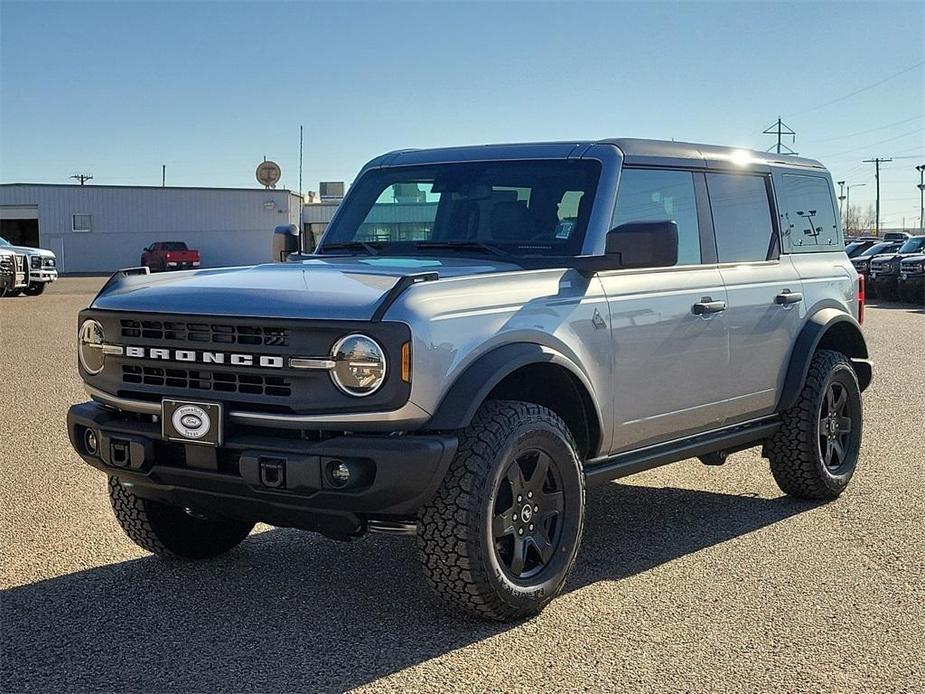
x=42, y=275
x=280, y=480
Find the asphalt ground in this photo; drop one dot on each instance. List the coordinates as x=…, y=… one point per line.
x=689, y=577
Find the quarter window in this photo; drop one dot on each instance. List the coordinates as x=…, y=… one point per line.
x=808, y=213
x=741, y=217
x=659, y=195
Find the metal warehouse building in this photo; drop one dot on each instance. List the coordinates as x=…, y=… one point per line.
x=93, y=228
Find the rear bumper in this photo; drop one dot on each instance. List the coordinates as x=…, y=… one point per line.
x=282, y=481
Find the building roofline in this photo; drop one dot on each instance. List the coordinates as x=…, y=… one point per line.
x=135, y=187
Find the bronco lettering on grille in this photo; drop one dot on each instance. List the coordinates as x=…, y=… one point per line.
x=196, y=356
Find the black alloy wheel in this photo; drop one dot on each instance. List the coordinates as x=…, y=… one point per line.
x=835, y=438
x=528, y=511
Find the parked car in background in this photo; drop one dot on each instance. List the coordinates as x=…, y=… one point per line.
x=862, y=262
x=169, y=255
x=40, y=269
x=896, y=236
x=911, y=283
x=884, y=267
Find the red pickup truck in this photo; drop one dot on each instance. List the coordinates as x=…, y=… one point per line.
x=169, y=255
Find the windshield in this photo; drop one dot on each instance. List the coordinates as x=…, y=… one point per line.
x=878, y=248
x=500, y=207
x=916, y=243
x=173, y=246
x=4, y=242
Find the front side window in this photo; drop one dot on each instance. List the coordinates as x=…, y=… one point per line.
x=80, y=222
x=808, y=213
x=649, y=196
x=524, y=208
x=741, y=217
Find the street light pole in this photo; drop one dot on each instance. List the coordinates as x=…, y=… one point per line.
x=841, y=199
x=848, y=204
x=921, y=169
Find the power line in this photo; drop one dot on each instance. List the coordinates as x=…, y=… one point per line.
x=782, y=129
x=877, y=161
x=873, y=130
x=862, y=89
x=874, y=144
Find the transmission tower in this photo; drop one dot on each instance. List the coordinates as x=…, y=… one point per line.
x=780, y=129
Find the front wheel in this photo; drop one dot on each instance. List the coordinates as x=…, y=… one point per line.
x=170, y=531
x=815, y=452
x=500, y=537
x=34, y=289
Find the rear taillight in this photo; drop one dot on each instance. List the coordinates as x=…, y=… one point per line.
x=861, y=299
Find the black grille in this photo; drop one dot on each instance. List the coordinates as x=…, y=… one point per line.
x=6, y=263
x=183, y=331
x=200, y=379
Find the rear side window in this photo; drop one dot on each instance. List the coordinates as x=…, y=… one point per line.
x=741, y=217
x=808, y=214
x=658, y=195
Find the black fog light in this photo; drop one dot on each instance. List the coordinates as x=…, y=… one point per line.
x=91, y=442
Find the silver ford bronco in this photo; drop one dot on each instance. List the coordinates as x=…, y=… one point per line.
x=482, y=333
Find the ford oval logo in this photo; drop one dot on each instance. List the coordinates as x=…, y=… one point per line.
x=191, y=421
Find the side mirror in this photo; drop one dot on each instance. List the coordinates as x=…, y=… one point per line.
x=644, y=244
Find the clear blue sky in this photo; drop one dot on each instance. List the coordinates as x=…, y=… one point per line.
x=210, y=88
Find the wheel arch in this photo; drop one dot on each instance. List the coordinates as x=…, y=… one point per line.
x=528, y=372
x=828, y=328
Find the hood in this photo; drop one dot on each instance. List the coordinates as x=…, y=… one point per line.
x=28, y=250
x=913, y=258
x=345, y=288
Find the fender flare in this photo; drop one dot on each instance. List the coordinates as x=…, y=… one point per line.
x=851, y=343
x=463, y=398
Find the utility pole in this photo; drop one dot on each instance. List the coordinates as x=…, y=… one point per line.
x=848, y=204
x=877, y=161
x=841, y=198
x=83, y=178
x=780, y=129
x=921, y=169
x=163, y=175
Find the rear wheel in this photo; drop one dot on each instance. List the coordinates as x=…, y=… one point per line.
x=815, y=452
x=170, y=531
x=501, y=535
x=34, y=289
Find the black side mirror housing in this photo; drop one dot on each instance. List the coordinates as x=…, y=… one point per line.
x=644, y=244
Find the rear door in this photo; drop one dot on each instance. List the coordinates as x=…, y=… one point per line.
x=668, y=361
x=765, y=294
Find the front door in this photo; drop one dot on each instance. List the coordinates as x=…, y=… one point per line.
x=670, y=358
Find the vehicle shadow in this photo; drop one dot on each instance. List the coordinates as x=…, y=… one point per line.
x=290, y=611
x=895, y=305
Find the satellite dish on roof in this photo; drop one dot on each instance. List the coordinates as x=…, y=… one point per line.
x=268, y=174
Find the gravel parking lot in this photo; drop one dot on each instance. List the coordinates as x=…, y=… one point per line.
x=690, y=577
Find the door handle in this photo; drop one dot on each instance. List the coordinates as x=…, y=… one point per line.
x=706, y=306
x=788, y=297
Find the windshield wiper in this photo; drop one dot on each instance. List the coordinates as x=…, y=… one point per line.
x=351, y=246
x=480, y=245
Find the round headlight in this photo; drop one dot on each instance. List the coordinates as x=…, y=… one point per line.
x=90, y=346
x=359, y=365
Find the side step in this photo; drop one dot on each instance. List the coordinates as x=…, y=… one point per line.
x=728, y=439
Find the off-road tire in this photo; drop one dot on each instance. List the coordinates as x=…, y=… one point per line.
x=794, y=451
x=455, y=540
x=35, y=289
x=169, y=531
